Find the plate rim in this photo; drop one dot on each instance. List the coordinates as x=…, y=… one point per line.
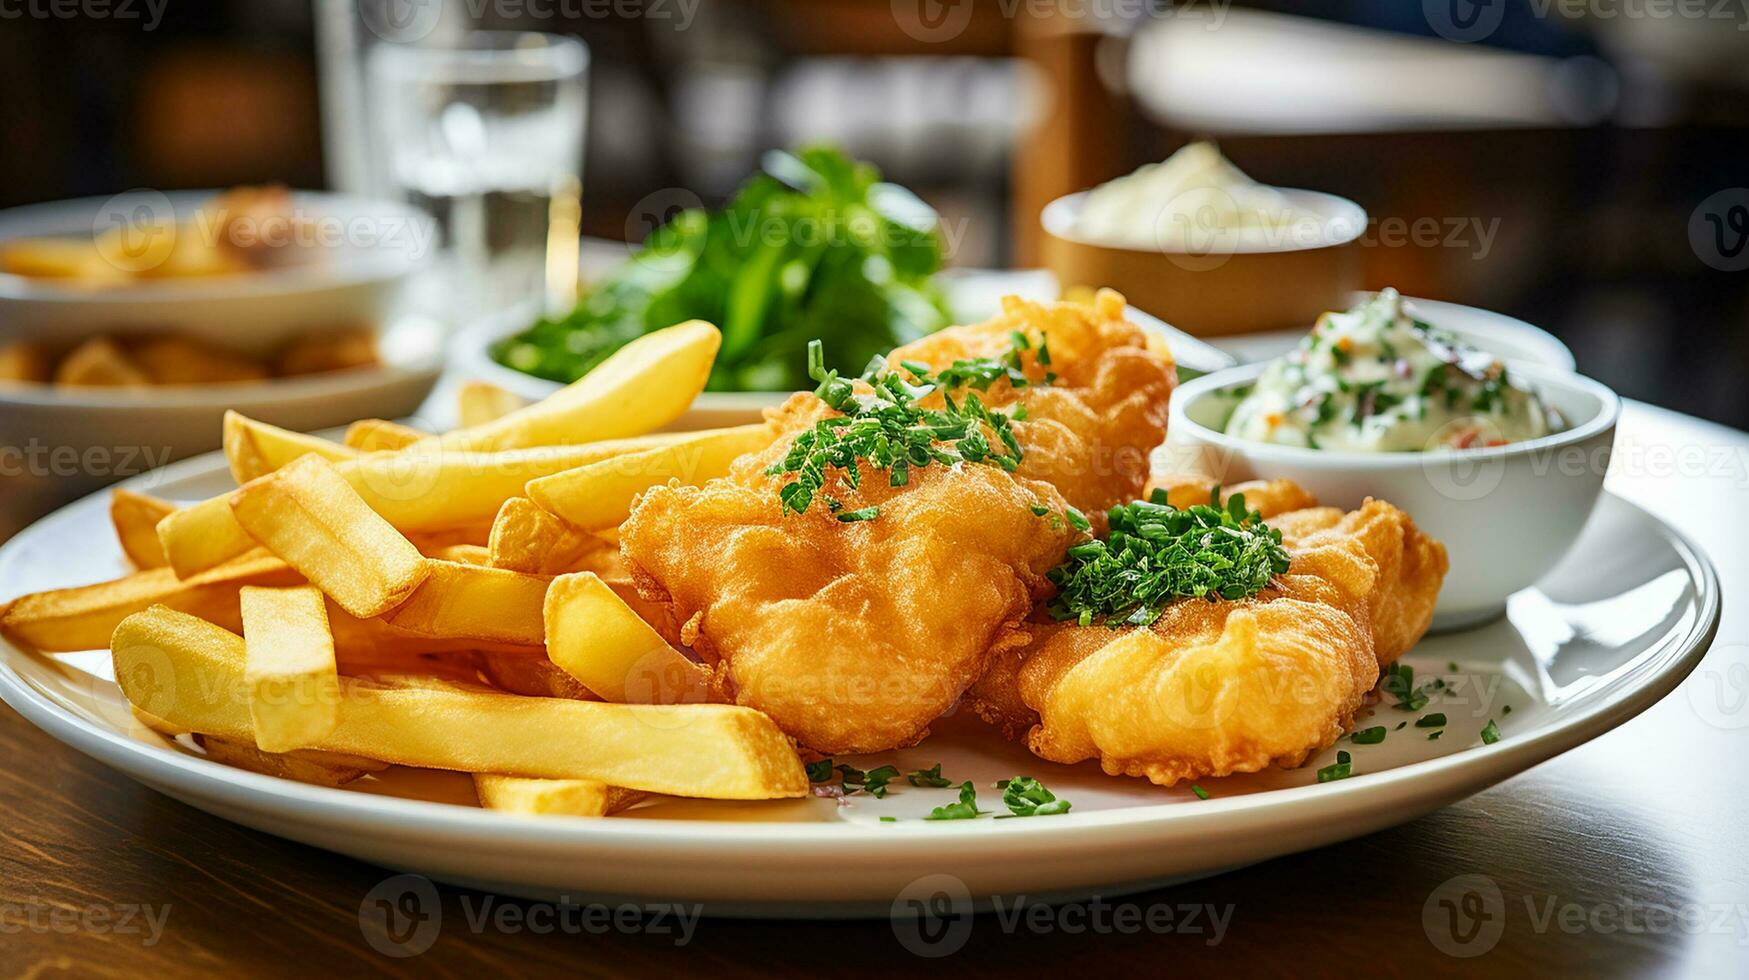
x=1666, y=665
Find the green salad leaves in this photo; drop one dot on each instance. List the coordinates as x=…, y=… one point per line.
x=815, y=246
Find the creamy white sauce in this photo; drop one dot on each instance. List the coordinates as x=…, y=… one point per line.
x=1375, y=379
x=1194, y=200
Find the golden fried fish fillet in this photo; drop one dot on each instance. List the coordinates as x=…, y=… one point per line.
x=853, y=637
x=1215, y=688
x=1091, y=430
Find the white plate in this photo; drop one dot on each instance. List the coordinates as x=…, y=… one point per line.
x=1614, y=628
x=1496, y=333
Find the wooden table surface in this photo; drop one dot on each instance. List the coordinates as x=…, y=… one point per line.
x=1629, y=855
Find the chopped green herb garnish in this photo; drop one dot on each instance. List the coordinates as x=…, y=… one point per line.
x=929, y=777
x=965, y=809
x=875, y=783
x=1201, y=794
x=889, y=820
x=1040, y=510
x=1506, y=709
x=1400, y=725
x=1434, y=736
x=851, y=774
x=1369, y=736
x=1027, y=797
x=885, y=429
x=819, y=772
x=1000, y=784
x=1156, y=553
x=1340, y=769
x=1490, y=733
x=1451, y=666
x=1435, y=720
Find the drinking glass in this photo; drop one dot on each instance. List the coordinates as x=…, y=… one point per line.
x=486, y=135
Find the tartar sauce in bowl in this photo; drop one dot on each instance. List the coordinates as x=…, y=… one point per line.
x=1376, y=379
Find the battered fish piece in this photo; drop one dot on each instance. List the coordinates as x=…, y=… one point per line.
x=1090, y=431
x=853, y=637
x=1215, y=688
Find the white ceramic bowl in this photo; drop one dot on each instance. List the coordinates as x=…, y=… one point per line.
x=1506, y=514
x=58, y=444
x=1503, y=336
x=370, y=251
x=471, y=358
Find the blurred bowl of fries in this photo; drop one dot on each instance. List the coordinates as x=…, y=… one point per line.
x=245, y=269
x=59, y=442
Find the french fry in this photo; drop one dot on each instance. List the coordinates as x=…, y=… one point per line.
x=136, y=517
x=480, y=402
x=595, y=637
x=202, y=536
x=83, y=617
x=460, y=601
x=641, y=387
x=534, y=676
x=309, y=516
x=465, y=554
x=316, y=768
x=188, y=672
x=27, y=362
x=294, y=689
x=371, y=646
x=100, y=363
x=438, y=491
x=256, y=449
x=378, y=435
x=526, y=538
x=600, y=495
x=551, y=797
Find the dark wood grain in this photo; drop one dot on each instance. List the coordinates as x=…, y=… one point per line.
x=1650, y=814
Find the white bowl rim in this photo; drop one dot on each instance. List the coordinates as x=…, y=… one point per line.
x=1058, y=220
x=367, y=266
x=220, y=394
x=1608, y=413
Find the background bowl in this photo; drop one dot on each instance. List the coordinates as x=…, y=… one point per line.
x=1506, y=514
x=358, y=280
x=58, y=444
x=1237, y=288
x=471, y=358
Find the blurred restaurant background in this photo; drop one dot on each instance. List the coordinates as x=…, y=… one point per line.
x=1577, y=164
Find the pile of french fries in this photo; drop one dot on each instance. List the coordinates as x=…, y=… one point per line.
x=448, y=601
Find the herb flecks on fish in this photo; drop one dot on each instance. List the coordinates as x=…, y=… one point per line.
x=1157, y=553
x=884, y=428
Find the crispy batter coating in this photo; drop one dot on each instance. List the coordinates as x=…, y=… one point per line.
x=853, y=637
x=1091, y=430
x=1214, y=688
x=1411, y=566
